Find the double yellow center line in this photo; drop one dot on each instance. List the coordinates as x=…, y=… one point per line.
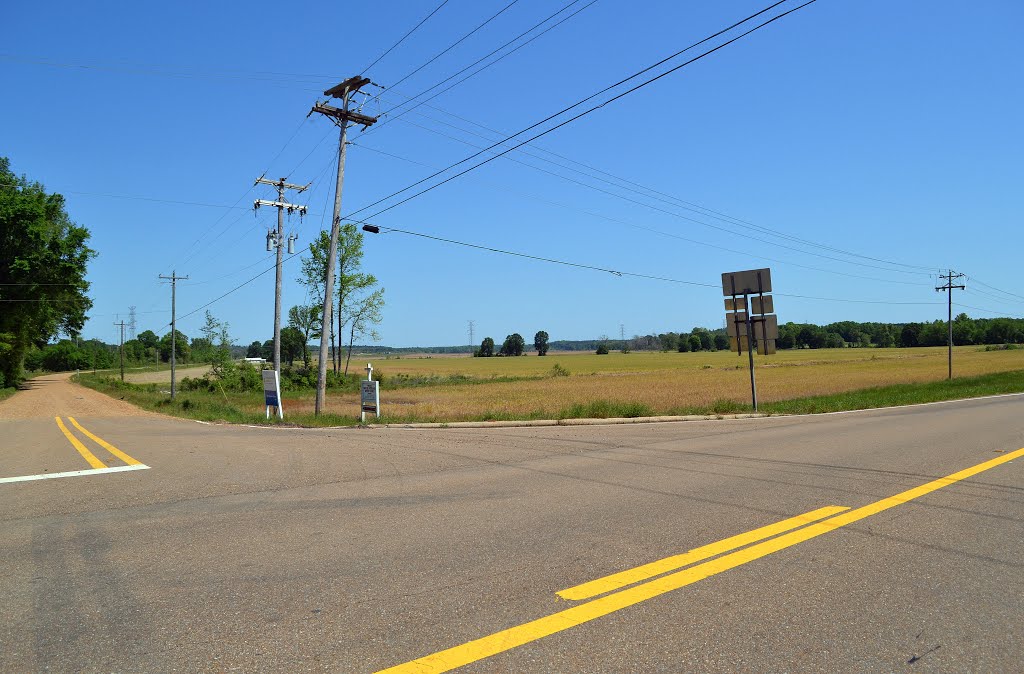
x=786, y=533
x=84, y=451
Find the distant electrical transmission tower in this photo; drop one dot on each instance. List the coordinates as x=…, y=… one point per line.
x=131, y=322
x=472, y=342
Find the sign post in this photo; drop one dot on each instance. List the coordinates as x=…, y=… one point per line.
x=272, y=392
x=749, y=318
x=369, y=395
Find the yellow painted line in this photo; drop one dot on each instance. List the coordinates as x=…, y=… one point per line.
x=86, y=454
x=106, y=445
x=636, y=574
x=449, y=659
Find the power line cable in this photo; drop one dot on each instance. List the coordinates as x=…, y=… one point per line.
x=989, y=311
x=683, y=217
x=486, y=56
x=669, y=234
x=578, y=116
x=402, y=39
x=618, y=272
x=657, y=195
x=990, y=287
x=455, y=44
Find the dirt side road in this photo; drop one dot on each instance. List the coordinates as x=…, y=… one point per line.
x=53, y=394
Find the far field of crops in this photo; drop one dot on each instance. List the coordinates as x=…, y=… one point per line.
x=664, y=382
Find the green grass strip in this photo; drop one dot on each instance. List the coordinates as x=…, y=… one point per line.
x=247, y=408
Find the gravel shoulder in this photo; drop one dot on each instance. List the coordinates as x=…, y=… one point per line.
x=54, y=395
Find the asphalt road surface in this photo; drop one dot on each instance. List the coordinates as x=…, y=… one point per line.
x=826, y=543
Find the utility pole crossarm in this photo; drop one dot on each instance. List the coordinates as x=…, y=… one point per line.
x=342, y=115
x=280, y=204
x=282, y=184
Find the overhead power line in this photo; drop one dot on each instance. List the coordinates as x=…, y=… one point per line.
x=455, y=44
x=643, y=190
x=989, y=311
x=616, y=272
x=402, y=39
x=683, y=217
x=485, y=57
x=661, y=232
x=577, y=116
x=990, y=287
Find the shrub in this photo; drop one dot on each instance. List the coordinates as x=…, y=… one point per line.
x=602, y=349
x=559, y=371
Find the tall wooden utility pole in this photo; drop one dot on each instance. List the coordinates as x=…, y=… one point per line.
x=173, y=278
x=122, y=324
x=341, y=117
x=278, y=242
x=948, y=287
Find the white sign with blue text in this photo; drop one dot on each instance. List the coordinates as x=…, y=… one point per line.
x=272, y=392
x=369, y=398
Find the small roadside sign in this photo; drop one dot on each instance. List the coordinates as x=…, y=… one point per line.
x=369, y=397
x=272, y=392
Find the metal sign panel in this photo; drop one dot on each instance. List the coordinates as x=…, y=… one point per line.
x=735, y=304
x=369, y=393
x=732, y=328
x=272, y=392
x=747, y=282
x=766, y=347
x=744, y=345
x=369, y=397
x=762, y=305
x=766, y=327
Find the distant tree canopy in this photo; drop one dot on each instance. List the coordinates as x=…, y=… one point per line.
x=43, y=260
x=540, y=342
x=514, y=345
x=182, y=350
x=291, y=344
x=486, y=349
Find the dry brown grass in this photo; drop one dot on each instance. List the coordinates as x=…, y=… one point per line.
x=666, y=382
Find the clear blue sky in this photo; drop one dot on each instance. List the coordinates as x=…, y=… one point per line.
x=889, y=129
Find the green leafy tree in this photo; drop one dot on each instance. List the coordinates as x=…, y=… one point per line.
x=721, y=342
x=182, y=351
x=43, y=258
x=352, y=285
x=306, y=318
x=254, y=350
x=364, y=313
x=704, y=336
x=267, y=350
x=540, y=342
x=148, y=339
x=486, y=348
x=695, y=344
x=683, y=345
x=514, y=345
x=291, y=344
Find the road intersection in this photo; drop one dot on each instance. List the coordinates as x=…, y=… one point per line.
x=888, y=540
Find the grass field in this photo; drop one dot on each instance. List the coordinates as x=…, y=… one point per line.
x=634, y=384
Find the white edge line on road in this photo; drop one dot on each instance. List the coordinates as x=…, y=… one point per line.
x=898, y=407
x=564, y=423
x=74, y=473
